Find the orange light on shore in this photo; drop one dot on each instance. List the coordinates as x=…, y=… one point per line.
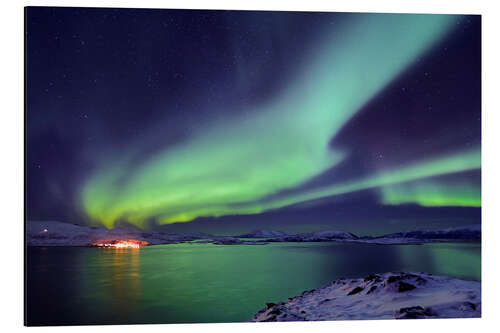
x=120, y=244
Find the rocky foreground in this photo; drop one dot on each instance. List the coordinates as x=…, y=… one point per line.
x=381, y=296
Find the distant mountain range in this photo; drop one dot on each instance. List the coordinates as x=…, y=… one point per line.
x=52, y=233
x=280, y=236
x=469, y=233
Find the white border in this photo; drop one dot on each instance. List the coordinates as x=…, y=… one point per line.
x=12, y=121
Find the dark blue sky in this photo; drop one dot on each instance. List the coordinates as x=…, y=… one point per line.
x=102, y=80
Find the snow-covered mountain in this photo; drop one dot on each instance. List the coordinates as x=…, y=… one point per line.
x=468, y=233
x=53, y=233
x=263, y=234
x=472, y=232
x=320, y=236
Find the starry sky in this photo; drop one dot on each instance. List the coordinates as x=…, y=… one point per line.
x=228, y=121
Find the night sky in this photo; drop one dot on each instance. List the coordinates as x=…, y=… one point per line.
x=230, y=121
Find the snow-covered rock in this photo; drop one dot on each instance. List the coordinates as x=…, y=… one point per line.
x=381, y=296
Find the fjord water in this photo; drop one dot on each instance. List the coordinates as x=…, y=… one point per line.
x=195, y=283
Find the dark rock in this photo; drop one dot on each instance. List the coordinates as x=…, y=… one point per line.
x=355, y=291
x=308, y=292
x=372, y=289
x=467, y=306
x=394, y=278
x=371, y=277
x=275, y=312
x=269, y=305
x=403, y=286
x=413, y=312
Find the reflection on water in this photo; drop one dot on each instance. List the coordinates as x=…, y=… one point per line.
x=210, y=283
x=462, y=260
x=125, y=275
x=113, y=275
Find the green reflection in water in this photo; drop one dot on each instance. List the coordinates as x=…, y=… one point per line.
x=461, y=260
x=110, y=285
x=207, y=283
x=210, y=283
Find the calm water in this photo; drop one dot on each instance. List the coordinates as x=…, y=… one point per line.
x=182, y=283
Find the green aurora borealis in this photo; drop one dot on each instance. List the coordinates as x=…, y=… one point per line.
x=235, y=165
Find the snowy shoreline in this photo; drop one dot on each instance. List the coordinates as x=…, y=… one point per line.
x=381, y=296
